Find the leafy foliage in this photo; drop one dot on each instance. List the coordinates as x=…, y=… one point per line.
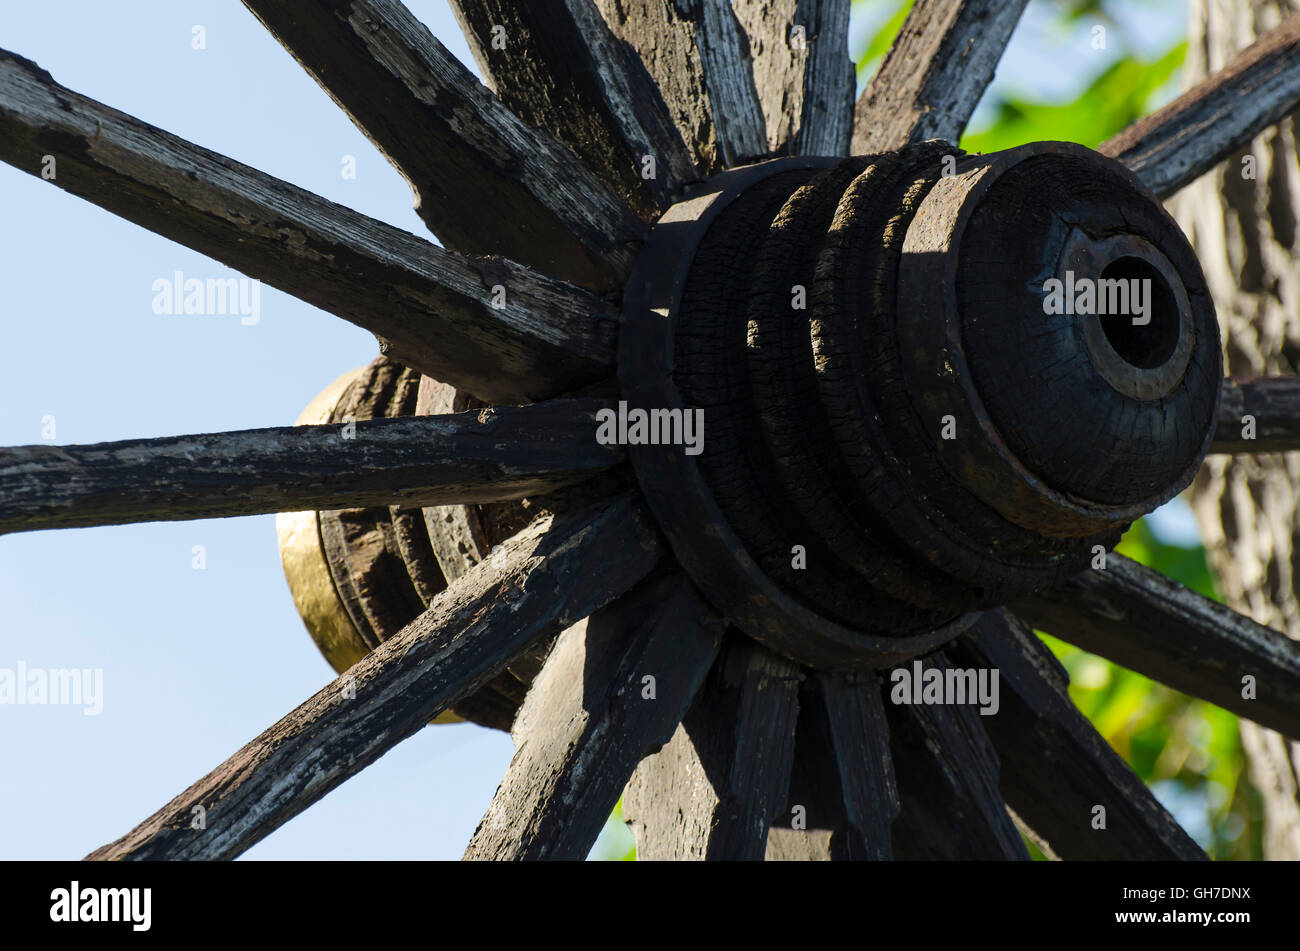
x=880, y=41
x=1113, y=100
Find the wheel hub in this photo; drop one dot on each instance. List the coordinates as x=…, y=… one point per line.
x=930, y=383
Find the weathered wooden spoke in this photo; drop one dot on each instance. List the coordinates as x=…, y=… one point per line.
x=1057, y=770
x=696, y=54
x=933, y=76
x=1216, y=118
x=491, y=455
x=485, y=182
x=714, y=790
x=803, y=74
x=559, y=67
x=554, y=573
x=1144, y=621
x=437, y=310
x=947, y=773
x=859, y=736
x=843, y=778
x=606, y=697
x=1259, y=416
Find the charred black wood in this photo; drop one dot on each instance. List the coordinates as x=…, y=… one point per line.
x=1151, y=624
x=1259, y=416
x=881, y=350
x=1059, y=774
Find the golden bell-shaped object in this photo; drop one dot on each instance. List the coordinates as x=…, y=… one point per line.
x=307, y=566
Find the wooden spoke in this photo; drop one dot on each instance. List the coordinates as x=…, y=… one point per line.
x=786, y=844
x=714, y=790
x=489, y=455
x=860, y=739
x=933, y=76
x=436, y=310
x=1144, y=621
x=606, y=697
x=947, y=773
x=803, y=74
x=1217, y=117
x=553, y=573
x=484, y=181
x=696, y=54
x=1259, y=416
x=558, y=67
x=1057, y=770
x=843, y=774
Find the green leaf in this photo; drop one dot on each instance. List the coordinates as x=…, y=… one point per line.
x=883, y=39
x=1112, y=101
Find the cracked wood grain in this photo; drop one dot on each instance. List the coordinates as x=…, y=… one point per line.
x=698, y=56
x=559, y=67
x=802, y=72
x=485, y=182
x=714, y=790
x=485, y=455
x=588, y=720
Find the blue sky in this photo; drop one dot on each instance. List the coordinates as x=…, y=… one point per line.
x=197, y=662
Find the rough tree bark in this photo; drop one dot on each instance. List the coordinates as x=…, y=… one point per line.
x=1244, y=231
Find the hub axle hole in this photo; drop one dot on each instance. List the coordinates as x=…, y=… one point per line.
x=1152, y=342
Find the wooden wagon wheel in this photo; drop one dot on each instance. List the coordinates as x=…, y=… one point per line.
x=675, y=209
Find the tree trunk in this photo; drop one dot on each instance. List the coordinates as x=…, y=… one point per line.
x=1242, y=221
